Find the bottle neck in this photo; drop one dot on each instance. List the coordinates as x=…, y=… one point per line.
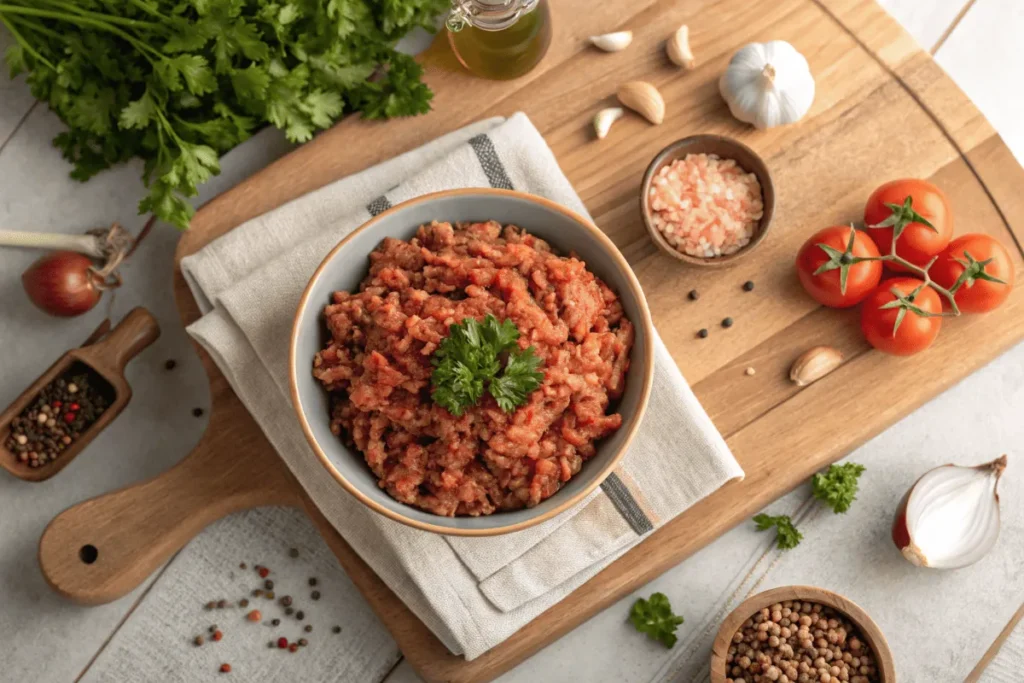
x=487, y=15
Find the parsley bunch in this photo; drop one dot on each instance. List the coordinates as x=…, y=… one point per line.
x=469, y=361
x=837, y=487
x=654, y=617
x=786, y=534
x=180, y=82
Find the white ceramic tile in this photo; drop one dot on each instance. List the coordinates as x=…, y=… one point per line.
x=15, y=98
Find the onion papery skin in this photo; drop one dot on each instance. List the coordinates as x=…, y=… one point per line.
x=62, y=283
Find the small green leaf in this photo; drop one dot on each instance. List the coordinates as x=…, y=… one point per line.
x=654, y=617
x=139, y=113
x=837, y=487
x=786, y=534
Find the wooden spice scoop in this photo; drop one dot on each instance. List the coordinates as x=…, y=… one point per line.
x=107, y=358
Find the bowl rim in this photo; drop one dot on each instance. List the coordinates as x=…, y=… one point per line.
x=647, y=377
x=868, y=628
x=767, y=195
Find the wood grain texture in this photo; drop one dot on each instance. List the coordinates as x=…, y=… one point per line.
x=865, y=624
x=883, y=110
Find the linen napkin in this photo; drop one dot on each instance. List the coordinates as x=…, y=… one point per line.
x=471, y=592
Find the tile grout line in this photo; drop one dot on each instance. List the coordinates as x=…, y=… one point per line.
x=18, y=125
x=952, y=26
x=387, y=674
x=124, y=619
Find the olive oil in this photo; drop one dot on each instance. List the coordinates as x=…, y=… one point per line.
x=499, y=40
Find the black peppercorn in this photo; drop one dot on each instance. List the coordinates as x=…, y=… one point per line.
x=702, y=332
x=727, y=322
x=748, y=286
x=694, y=295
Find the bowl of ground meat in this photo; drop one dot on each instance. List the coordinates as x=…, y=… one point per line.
x=472, y=362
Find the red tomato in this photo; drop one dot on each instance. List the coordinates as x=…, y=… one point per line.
x=976, y=294
x=826, y=288
x=917, y=243
x=915, y=332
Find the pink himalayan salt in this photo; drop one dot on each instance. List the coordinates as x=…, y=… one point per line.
x=705, y=205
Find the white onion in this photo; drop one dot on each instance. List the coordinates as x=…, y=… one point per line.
x=950, y=517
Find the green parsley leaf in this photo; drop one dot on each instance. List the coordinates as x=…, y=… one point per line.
x=837, y=487
x=786, y=536
x=654, y=617
x=469, y=359
x=138, y=113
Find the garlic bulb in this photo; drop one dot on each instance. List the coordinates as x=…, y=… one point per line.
x=950, y=517
x=768, y=84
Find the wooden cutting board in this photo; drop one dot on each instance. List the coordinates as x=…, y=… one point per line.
x=883, y=110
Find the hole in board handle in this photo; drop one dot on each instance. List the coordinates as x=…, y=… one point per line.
x=88, y=553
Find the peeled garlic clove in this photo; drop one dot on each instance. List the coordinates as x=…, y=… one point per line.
x=814, y=364
x=678, y=48
x=950, y=517
x=612, y=42
x=604, y=119
x=644, y=99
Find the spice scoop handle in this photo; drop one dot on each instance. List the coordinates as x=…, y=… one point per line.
x=102, y=549
x=135, y=332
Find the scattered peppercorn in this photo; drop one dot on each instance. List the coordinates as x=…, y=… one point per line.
x=275, y=622
x=286, y=601
x=198, y=641
x=225, y=668
x=244, y=602
x=294, y=647
x=303, y=642
x=308, y=628
x=268, y=584
x=263, y=572
x=288, y=611
x=210, y=605
x=748, y=286
x=170, y=364
x=750, y=372
x=702, y=333
x=336, y=629
x=257, y=593
x=243, y=565
x=727, y=322
x=221, y=604
x=300, y=615
x=694, y=295
x=269, y=595
x=197, y=412
x=271, y=644
x=315, y=595
x=217, y=635
x=254, y=615
x=282, y=643
x=212, y=628
x=293, y=553
x=312, y=581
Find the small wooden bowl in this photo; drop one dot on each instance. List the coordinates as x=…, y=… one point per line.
x=726, y=148
x=749, y=607
x=104, y=357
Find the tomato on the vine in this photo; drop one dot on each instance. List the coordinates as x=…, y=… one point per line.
x=989, y=272
x=917, y=213
x=831, y=270
x=901, y=325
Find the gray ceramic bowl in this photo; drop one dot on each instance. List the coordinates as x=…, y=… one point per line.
x=346, y=265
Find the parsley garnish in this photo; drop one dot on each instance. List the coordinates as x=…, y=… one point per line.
x=468, y=361
x=786, y=535
x=180, y=82
x=654, y=617
x=837, y=487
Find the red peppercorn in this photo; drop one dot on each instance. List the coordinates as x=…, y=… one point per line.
x=57, y=404
x=74, y=406
x=225, y=668
x=69, y=417
x=254, y=615
x=217, y=635
x=263, y=572
x=294, y=647
x=282, y=643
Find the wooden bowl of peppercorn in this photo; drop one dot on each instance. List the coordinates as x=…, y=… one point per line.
x=848, y=641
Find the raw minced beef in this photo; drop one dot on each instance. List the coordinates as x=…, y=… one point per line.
x=377, y=367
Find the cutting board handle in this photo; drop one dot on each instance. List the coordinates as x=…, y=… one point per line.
x=135, y=332
x=103, y=548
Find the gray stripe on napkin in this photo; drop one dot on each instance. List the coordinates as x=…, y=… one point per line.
x=378, y=206
x=490, y=162
x=624, y=503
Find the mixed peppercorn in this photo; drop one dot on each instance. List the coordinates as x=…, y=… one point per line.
x=256, y=615
x=799, y=642
x=64, y=409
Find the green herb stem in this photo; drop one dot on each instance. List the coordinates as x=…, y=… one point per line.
x=82, y=13
x=25, y=44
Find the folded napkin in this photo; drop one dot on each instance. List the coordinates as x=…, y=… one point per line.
x=471, y=592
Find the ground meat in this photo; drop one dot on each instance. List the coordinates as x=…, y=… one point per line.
x=377, y=367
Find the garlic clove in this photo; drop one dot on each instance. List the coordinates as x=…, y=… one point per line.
x=678, y=48
x=604, y=119
x=612, y=42
x=813, y=364
x=950, y=517
x=644, y=99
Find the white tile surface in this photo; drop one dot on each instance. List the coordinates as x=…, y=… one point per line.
x=926, y=20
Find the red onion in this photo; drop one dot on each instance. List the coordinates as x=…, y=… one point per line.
x=63, y=283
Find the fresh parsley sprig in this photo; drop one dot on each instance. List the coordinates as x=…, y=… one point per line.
x=180, y=82
x=654, y=617
x=786, y=534
x=837, y=486
x=469, y=361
